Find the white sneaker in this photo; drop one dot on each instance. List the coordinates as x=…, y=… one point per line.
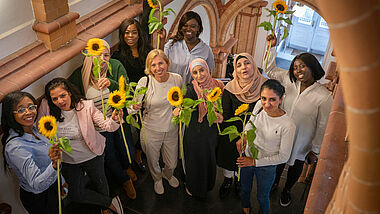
x=117, y=204
x=173, y=181
x=158, y=187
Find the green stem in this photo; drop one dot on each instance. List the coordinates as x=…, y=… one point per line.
x=180, y=140
x=242, y=143
x=217, y=124
x=160, y=19
x=104, y=112
x=125, y=141
x=59, y=187
x=268, y=54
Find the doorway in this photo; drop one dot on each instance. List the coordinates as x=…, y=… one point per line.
x=309, y=33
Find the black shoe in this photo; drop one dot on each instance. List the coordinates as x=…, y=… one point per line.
x=225, y=188
x=237, y=186
x=274, y=187
x=285, y=199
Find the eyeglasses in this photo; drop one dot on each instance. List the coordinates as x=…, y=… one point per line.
x=23, y=110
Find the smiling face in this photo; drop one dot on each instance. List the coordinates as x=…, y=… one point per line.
x=159, y=68
x=61, y=98
x=105, y=56
x=302, y=72
x=199, y=74
x=270, y=101
x=131, y=36
x=190, y=29
x=244, y=68
x=25, y=119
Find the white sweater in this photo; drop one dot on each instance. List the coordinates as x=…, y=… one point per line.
x=274, y=137
x=309, y=110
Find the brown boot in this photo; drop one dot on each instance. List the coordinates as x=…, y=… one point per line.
x=131, y=174
x=129, y=189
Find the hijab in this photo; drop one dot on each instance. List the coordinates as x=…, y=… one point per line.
x=246, y=90
x=88, y=78
x=209, y=83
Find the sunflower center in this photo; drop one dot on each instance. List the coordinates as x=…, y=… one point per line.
x=48, y=126
x=213, y=94
x=175, y=96
x=116, y=99
x=95, y=47
x=280, y=7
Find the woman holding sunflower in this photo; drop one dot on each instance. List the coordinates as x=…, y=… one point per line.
x=29, y=154
x=158, y=133
x=200, y=139
x=75, y=120
x=118, y=170
x=244, y=88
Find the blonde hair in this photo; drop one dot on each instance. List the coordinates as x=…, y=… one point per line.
x=151, y=55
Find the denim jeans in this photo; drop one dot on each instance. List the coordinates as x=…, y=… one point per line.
x=265, y=176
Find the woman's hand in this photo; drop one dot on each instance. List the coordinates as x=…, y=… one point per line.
x=311, y=157
x=239, y=147
x=103, y=83
x=272, y=38
x=65, y=188
x=137, y=106
x=54, y=154
x=116, y=114
x=219, y=118
x=176, y=112
x=245, y=161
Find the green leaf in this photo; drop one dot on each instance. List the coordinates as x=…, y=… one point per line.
x=109, y=67
x=140, y=91
x=128, y=103
x=218, y=106
x=187, y=102
x=267, y=25
x=171, y=10
x=151, y=14
x=107, y=106
x=231, y=131
x=288, y=21
x=251, y=135
x=290, y=12
x=153, y=26
x=175, y=120
x=271, y=12
x=133, y=84
x=232, y=119
x=254, y=151
x=211, y=117
x=165, y=13
x=65, y=144
x=153, y=19
x=131, y=120
x=184, y=90
x=286, y=33
x=185, y=115
x=197, y=102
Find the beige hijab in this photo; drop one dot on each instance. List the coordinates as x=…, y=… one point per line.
x=246, y=90
x=88, y=78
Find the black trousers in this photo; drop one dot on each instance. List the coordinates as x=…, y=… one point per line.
x=45, y=202
x=294, y=172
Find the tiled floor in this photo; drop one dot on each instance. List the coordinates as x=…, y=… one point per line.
x=177, y=201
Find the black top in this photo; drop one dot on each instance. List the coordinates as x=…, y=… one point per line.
x=226, y=150
x=135, y=70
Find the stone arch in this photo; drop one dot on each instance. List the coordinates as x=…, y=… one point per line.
x=212, y=13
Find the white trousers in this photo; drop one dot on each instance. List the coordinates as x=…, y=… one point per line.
x=153, y=144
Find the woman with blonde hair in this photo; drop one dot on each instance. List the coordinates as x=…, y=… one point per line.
x=159, y=135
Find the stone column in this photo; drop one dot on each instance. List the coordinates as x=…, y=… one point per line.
x=54, y=25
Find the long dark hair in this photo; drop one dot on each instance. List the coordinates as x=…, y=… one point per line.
x=8, y=120
x=185, y=18
x=143, y=46
x=274, y=85
x=75, y=95
x=311, y=62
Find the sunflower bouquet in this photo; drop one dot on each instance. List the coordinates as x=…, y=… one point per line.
x=187, y=106
x=47, y=126
x=250, y=135
x=94, y=49
x=154, y=22
x=214, y=104
x=279, y=7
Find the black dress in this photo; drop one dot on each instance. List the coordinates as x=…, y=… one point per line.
x=226, y=150
x=199, y=144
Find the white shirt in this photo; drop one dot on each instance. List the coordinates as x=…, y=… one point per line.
x=70, y=128
x=309, y=110
x=158, y=111
x=274, y=137
x=180, y=58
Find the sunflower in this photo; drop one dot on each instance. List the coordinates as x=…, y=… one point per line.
x=95, y=46
x=122, y=84
x=280, y=6
x=47, y=126
x=174, y=96
x=152, y=3
x=242, y=108
x=116, y=99
x=214, y=94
